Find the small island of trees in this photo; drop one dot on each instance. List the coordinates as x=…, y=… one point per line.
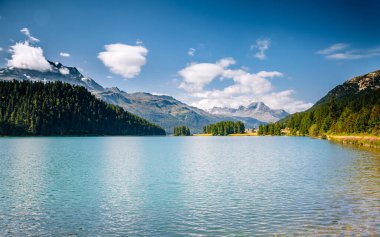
x=274, y=129
x=181, y=131
x=224, y=128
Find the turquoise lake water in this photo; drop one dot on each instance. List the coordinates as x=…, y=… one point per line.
x=183, y=186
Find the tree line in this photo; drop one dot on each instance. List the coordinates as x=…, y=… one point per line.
x=181, y=131
x=36, y=108
x=273, y=129
x=224, y=128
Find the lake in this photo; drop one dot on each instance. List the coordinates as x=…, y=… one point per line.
x=183, y=186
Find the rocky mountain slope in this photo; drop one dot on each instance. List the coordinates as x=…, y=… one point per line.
x=369, y=82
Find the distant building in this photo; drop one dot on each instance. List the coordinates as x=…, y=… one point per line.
x=285, y=131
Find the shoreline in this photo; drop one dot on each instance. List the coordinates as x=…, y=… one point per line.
x=229, y=135
x=370, y=141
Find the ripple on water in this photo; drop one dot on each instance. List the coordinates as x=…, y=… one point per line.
x=198, y=186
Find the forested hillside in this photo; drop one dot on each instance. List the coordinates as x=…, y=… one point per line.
x=37, y=108
x=350, y=108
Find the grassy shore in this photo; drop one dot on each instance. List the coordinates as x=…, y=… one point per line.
x=243, y=134
x=365, y=140
x=232, y=135
x=360, y=140
x=202, y=134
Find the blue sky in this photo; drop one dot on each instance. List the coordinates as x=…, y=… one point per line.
x=305, y=48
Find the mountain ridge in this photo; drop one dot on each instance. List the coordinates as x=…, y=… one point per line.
x=368, y=81
x=163, y=110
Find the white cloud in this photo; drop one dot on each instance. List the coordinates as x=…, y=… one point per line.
x=340, y=51
x=1, y=49
x=26, y=32
x=122, y=59
x=262, y=45
x=139, y=42
x=356, y=54
x=191, y=52
x=27, y=57
x=246, y=88
x=284, y=100
x=226, y=62
x=197, y=75
x=64, y=71
x=109, y=77
x=333, y=48
x=66, y=55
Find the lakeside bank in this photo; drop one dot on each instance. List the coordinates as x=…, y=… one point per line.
x=359, y=140
x=370, y=141
x=230, y=135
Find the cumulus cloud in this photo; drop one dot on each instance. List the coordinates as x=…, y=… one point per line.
x=26, y=32
x=122, y=59
x=27, y=57
x=247, y=87
x=197, y=75
x=191, y=52
x=65, y=55
x=340, y=51
x=261, y=45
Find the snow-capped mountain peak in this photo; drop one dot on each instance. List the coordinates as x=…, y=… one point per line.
x=256, y=110
x=57, y=72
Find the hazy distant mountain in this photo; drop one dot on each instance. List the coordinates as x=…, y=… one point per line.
x=159, y=109
x=256, y=110
x=166, y=111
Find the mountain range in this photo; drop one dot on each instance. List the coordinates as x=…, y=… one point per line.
x=163, y=110
x=257, y=110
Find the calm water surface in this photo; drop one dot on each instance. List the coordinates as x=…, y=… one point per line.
x=201, y=186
